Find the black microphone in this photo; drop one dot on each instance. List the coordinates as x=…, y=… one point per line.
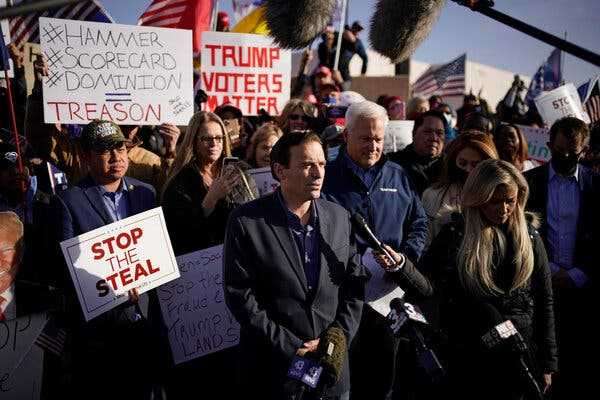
x=365, y=232
x=505, y=334
x=407, y=317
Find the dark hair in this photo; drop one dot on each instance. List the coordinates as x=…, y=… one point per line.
x=522, y=150
x=478, y=121
x=431, y=113
x=569, y=127
x=281, y=152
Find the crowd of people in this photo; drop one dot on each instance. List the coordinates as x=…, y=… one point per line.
x=471, y=229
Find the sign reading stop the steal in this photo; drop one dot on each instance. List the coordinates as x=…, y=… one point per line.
x=133, y=253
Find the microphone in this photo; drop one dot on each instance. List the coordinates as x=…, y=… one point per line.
x=405, y=316
x=332, y=353
x=504, y=333
x=295, y=24
x=361, y=226
x=399, y=27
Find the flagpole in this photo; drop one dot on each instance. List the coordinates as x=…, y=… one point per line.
x=562, y=64
x=338, y=50
x=214, y=16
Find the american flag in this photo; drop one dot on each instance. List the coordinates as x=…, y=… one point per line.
x=589, y=93
x=52, y=338
x=444, y=80
x=25, y=28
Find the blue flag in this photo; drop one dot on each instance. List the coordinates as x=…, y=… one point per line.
x=547, y=77
x=4, y=56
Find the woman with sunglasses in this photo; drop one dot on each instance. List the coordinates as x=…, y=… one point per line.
x=297, y=115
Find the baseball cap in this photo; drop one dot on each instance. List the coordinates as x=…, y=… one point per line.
x=356, y=26
x=223, y=108
x=101, y=135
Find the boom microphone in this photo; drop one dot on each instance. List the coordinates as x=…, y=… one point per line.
x=365, y=232
x=399, y=26
x=332, y=353
x=295, y=24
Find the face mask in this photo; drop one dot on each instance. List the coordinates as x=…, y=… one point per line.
x=332, y=153
x=564, y=165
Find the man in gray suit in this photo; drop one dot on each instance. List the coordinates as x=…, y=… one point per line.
x=291, y=271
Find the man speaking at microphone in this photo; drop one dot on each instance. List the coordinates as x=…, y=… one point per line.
x=291, y=271
x=364, y=182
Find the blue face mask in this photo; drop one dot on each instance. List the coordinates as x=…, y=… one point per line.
x=332, y=153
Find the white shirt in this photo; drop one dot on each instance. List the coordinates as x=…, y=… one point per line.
x=9, y=305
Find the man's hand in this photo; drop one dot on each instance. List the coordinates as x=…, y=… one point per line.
x=17, y=54
x=385, y=261
x=40, y=68
x=307, y=347
x=171, y=134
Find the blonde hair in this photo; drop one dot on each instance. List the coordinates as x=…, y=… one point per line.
x=10, y=223
x=295, y=104
x=186, y=152
x=261, y=134
x=476, y=252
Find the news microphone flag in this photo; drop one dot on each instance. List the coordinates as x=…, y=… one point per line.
x=25, y=28
x=444, y=80
x=548, y=77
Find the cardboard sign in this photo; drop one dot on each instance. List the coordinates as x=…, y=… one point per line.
x=107, y=262
x=134, y=75
x=265, y=183
x=193, y=307
x=561, y=102
x=248, y=71
x=7, y=40
x=536, y=142
x=398, y=135
x=21, y=360
x=381, y=289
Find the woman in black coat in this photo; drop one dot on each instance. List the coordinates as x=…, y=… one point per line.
x=489, y=265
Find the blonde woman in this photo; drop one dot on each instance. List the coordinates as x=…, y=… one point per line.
x=297, y=115
x=199, y=193
x=492, y=257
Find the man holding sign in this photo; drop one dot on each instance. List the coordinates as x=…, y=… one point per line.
x=123, y=333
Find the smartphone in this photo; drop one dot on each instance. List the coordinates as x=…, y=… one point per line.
x=227, y=161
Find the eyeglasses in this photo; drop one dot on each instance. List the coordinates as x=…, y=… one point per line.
x=296, y=117
x=210, y=139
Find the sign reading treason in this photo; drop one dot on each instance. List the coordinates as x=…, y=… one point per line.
x=125, y=74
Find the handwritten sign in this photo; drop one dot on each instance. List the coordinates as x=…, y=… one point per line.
x=194, y=309
x=7, y=40
x=536, y=142
x=561, y=102
x=265, y=183
x=21, y=361
x=107, y=262
x=246, y=70
x=381, y=289
x=126, y=74
x=398, y=135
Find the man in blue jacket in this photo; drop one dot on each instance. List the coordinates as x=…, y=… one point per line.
x=363, y=181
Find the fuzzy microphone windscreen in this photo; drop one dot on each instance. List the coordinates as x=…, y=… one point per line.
x=332, y=350
x=399, y=26
x=295, y=24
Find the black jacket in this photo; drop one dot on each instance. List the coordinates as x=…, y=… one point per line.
x=530, y=308
x=423, y=172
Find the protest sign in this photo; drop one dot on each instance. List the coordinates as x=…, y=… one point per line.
x=398, y=135
x=135, y=75
x=133, y=253
x=536, y=142
x=265, y=183
x=21, y=361
x=561, y=102
x=248, y=71
x=193, y=307
x=6, y=38
x=381, y=289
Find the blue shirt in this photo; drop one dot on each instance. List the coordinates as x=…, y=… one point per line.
x=367, y=176
x=563, y=216
x=116, y=203
x=306, y=238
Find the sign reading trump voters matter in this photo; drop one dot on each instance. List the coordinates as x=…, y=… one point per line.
x=131, y=75
x=245, y=70
x=133, y=253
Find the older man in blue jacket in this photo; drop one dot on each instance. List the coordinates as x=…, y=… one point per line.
x=363, y=181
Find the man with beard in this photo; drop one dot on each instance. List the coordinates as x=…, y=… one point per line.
x=567, y=194
x=422, y=159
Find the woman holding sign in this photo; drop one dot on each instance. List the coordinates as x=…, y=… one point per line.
x=202, y=188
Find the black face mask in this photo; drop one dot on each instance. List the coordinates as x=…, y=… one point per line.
x=565, y=165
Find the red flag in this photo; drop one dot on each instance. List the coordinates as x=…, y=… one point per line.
x=182, y=14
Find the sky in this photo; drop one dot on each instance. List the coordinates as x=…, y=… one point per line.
x=485, y=40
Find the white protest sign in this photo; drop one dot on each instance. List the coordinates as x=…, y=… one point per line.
x=561, y=102
x=398, y=135
x=246, y=70
x=133, y=253
x=381, y=289
x=134, y=75
x=265, y=183
x=7, y=40
x=193, y=307
x=536, y=142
